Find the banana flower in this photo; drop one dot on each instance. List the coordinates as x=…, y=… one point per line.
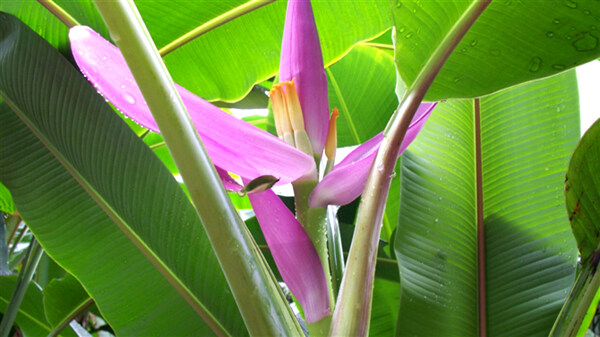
x=301, y=112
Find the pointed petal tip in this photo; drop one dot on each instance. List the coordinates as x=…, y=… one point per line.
x=347, y=179
x=294, y=254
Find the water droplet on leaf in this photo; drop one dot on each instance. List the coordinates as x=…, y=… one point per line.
x=586, y=43
x=570, y=3
x=559, y=66
x=473, y=43
x=550, y=34
x=535, y=64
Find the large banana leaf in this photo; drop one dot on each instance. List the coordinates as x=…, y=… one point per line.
x=30, y=317
x=208, y=65
x=512, y=42
x=527, y=135
x=100, y=202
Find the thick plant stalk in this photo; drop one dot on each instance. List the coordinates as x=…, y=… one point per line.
x=261, y=302
x=353, y=308
x=34, y=253
x=581, y=298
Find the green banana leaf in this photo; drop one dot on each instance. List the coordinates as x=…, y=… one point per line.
x=64, y=299
x=583, y=209
x=527, y=135
x=512, y=42
x=100, y=202
x=208, y=65
x=6, y=203
x=361, y=86
x=30, y=318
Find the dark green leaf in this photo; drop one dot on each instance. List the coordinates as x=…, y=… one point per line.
x=30, y=318
x=70, y=163
x=527, y=136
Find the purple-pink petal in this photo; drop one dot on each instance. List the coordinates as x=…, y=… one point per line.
x=301, y=60
x=347, y=179
x=294, y=254
x=232, y=144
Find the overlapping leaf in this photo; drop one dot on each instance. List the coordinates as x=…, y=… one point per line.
x=100, y=203
x=528, y=133
x=512, y=42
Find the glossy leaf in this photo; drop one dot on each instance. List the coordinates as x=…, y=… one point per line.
x=528, y=133
x=209, y=67
x=361, y=86
x=512, y=42
x=67, y=178
x=30, y=318
x=583, y=201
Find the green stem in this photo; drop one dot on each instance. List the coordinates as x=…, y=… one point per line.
x=581, y=298
x=59, y=12
x=34, y=253
x=353, y=308
x=336, y=251
x=314, y=221
x=259, y=298
x=3, y=248
x=214, y=23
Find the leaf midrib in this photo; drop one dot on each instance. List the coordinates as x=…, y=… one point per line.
x=169, y=275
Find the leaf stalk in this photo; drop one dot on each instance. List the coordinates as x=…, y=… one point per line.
x=259, y=298
x=353, y=308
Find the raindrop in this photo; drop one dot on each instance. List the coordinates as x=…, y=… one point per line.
x=393, y=174
x=122, y=86
x=474, y=43
x=409, y=35
x=103, y=58
x=559, y=66
x=586, y=12
x=458, y=79
x=380, y=168
x=556, y=21
x=550, y=34
x=495, y=52
x=586, y=43
x=128, y=98
x=401, y=30
x=535, y=64
x=570, y=3
x=398, y=3
x=437, y=220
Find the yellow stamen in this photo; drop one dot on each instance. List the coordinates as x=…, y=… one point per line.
x=293, y=106
x=281, y=115
x=331, y=143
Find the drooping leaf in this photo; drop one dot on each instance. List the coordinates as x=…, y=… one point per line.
x=100, y=202
x=527, y=135
x=30, y=318
x=512, y=42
